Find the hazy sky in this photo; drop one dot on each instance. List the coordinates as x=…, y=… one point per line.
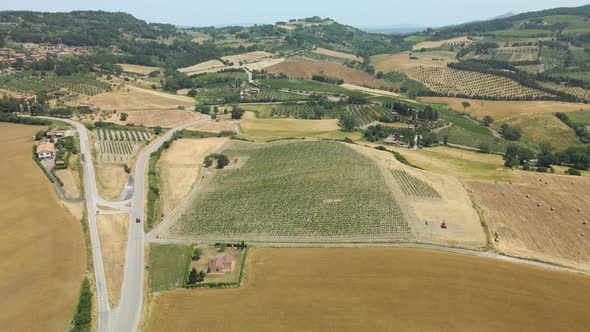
x=364, y=13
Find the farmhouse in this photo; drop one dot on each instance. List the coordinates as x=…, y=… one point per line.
x=391, y=140
x=45, y=150
x=221, y=265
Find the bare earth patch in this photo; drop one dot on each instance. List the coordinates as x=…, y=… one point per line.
x=504, y=109
x=364, y=289
x=373, y=92
x=42, y=245
x=180, y=167
x=112, y=230
x=137, y=69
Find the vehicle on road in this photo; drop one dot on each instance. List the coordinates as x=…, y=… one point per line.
x=137, y=220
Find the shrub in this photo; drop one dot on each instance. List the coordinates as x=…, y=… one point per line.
x=123, y=116
x=573, y=171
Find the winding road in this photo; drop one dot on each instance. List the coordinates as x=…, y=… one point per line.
x=126, y=317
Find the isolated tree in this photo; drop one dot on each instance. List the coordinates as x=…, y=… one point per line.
x=193, y=277
x=237, y=113
x=488, y=120
x=347, y=122
x=39, y=135
x=222, y=161
x=123, y=116
x=197, y=254
x=192, y=93
x=465, y=105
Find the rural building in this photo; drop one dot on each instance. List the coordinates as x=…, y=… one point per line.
x=221, y=265
x=45, y=150
x=391, y=140
x=58, y=133
x=252, y=91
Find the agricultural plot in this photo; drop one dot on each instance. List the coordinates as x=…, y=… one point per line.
x=552, y=58
x=304, y=86
x=218, y=96
x=301, y=112
x=451, y=82
x=459, y=41
x=365, y=114
x=580, y=93
x=404, y=82
x=295, y=191
x=509, y=54
x=26, y=82
x=412, y=186
x=271, y=95
x=119, y=146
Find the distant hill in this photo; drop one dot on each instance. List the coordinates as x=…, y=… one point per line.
x=395, y=29
x=507, y=15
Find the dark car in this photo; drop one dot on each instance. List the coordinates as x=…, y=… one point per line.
x=137, y=220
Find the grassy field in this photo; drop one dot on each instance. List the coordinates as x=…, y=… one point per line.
x=465, y=164
x=294, y=191
x=137, y=69
x=168, y=264
x=580, y=117
x=42, y=245
x=537, y=128
x=363, y=289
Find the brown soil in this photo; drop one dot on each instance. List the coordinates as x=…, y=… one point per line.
x=362, y=289
x=112, y=230
x=42, y=245
x=180, y=166
x=538, y=232
x=306, y=69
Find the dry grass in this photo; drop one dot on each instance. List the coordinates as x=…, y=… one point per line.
x=306, y=69
x=363, y=289
x=504, y=109
x=181, y=165
x=538, y=232
x=110, y=180
x=286, y=127
x=447, y=42
x=537, y=128
x=152, y=118
x=130, y=98
x=43, y=254
x=112, y=230
x=247, y=57
x=373, y=92
x=71, y=185
x=264, y=63
x=398, y=62
x=337, y=54
x=213, y=127
x=137, y=69
x=210, y=66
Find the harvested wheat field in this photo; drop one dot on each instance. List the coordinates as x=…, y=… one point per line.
x=373, y=92
x=137, y=69
x=213, y=126
x=386, y=289
x=180, y=166
x=112, y=230
x=337, y=54
x=129, y=98
x=504, y=109
x=541, y=127
x=264, y=63
x=447, y=42
x=541, y=218
x=393, y=62
x=306, y=69
x=247, y=57
x=44, y=257
x=210, y=66
x=151, y=118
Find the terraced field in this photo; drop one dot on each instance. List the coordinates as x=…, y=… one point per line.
x=303, y=191
x=118, y=146
x=454, y=83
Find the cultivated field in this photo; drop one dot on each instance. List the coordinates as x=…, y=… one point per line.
x=263, y=63
x=28, y=82
x=504, y=109
x=211, y=66
x=168, y=264
x=165, y=118
x=112, y=230
x=386, y=289
x=541, y=217
x=213, y=127
x=294, y=192
x=451, y=82
x=137, y=69
x=247, y=57
x=537, y=128
x=44, y=257
x=306, y=69
x=390, y=62
x=129, y=98
x=337, y=54
x=459, y=41
x=580, y=93
x=119, y=146
x=181, y=165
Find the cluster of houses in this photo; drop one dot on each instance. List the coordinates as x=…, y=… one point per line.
x=46, y=148
x=394, y=140
x=39, y=52
x=9, y=55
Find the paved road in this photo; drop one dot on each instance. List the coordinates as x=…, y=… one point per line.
x=126, y=317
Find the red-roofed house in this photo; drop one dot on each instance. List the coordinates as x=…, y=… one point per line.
x=45, y=150
x=221, y=265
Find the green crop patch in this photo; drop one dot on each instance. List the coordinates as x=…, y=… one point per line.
x=412, y=186
x=168, y=265
x=295, y=191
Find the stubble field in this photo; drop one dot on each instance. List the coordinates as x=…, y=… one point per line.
x=362, y=289
x=44, y=257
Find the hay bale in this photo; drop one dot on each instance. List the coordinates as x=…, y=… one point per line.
x=539, y=204
x=528, y=196
x=552, y=209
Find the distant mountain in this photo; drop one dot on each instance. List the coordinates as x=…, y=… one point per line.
x=398, y=29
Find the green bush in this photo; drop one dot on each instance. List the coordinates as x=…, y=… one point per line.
x=573, y=171
x=82, y=321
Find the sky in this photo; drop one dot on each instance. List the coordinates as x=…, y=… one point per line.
x=366, y=13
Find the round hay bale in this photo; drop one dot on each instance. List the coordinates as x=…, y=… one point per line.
x=528, y=196
x=538, y=204
x=584, y=223
x=552, y=209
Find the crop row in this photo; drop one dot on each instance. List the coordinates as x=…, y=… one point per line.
x=27, y=82
x=302, y=112
x=365, y=114
x=578, y=92
x=451, y=82
x=122, y=135
x=412, y=186
x=119, y=148
x=270, y=95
